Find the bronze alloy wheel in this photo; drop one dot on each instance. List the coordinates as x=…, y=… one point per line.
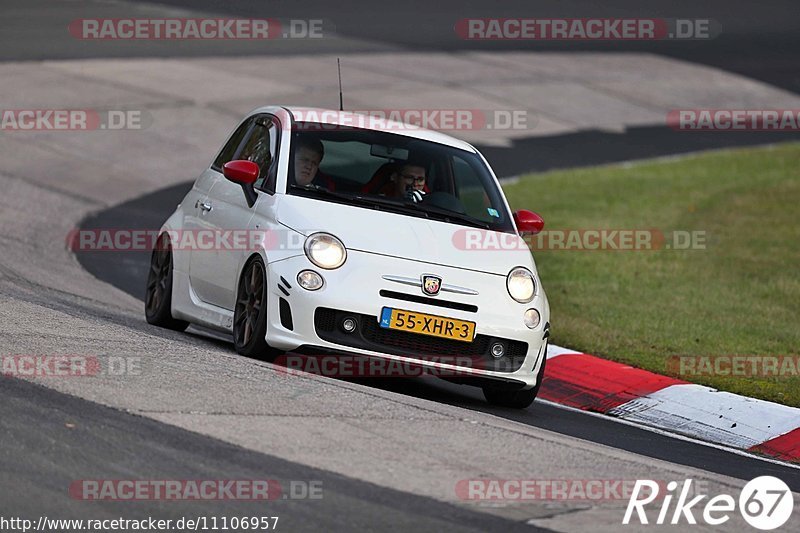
x=158, y=296
x=250, y=313
x=249, y=302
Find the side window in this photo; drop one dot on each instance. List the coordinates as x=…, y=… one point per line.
x=261, y=147
x=438, y=177
x=231, y=147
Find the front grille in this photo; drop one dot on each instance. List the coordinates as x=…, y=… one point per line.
x=370, y=336
x=429, y=301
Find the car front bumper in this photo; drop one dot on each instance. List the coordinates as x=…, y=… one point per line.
x=359, y=290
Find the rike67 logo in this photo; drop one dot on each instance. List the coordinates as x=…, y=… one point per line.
x=766, y=503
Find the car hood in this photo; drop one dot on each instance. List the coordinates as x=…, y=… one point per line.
x=407, y=237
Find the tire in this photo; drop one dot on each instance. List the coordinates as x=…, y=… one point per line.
x=250, y=313
x=158, y=292
x=517, y=399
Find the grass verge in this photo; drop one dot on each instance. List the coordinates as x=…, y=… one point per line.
x=739, y=295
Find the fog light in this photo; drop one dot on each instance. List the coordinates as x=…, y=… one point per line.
x=309, y=280
x=349, y=325
x=498, y=350
x=532, y=318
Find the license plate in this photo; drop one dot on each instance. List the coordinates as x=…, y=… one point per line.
x=435, y=326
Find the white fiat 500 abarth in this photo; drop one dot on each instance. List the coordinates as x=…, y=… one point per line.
x=316, y=231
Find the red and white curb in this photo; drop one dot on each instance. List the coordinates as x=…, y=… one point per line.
x=590, y=383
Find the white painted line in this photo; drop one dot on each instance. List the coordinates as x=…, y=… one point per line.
x=554, y=351
x=668, y=433
x=709, y=414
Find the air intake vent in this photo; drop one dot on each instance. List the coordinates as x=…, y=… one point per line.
x=286, y=315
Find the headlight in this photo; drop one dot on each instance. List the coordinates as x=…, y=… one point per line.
x=520, y=285
x=309, y=280
x=325, y=250
x=532, y=318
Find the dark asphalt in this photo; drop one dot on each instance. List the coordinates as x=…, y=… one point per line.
x=759, y=40
x=49, y=439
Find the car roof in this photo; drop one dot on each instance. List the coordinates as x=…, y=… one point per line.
x=349, y=118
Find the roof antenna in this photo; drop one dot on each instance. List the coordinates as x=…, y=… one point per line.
x=339, y=67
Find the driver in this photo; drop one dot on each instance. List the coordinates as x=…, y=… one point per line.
x=408, y=180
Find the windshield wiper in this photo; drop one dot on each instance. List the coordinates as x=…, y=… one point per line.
x=371, y=201
x=400, y=204
x=447, y=214
x=428, y=210
x=323, y=190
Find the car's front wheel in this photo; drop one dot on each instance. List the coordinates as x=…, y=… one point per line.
x=158, y=296
x=518, y=399
x=250, y=313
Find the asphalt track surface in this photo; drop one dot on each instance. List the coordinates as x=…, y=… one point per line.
x=40, y=454
x=108, y=444
x=757, y=40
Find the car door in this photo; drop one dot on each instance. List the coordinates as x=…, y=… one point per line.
x=192, y=219
x=228, y=217
x=197, y=207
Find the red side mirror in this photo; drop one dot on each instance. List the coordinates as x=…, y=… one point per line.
x=241, y=172
x=244, y=173
x=528, y=221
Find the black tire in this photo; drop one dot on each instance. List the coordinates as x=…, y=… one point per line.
x=250, y=313
x=515, y=398
x=158, y=293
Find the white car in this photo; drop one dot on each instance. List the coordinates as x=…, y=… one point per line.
x=317, y=231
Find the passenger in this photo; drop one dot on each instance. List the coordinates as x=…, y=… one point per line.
x=308, y=155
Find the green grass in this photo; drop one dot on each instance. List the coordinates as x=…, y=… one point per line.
x=739, y=296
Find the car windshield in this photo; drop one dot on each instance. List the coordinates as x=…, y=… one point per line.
x=381, y=170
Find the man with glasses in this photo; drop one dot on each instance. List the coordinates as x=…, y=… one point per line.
x=409, y=180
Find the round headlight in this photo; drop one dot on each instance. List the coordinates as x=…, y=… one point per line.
x=309, y=280
x=532, y=318
x=325, y=250
x=520, y=285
